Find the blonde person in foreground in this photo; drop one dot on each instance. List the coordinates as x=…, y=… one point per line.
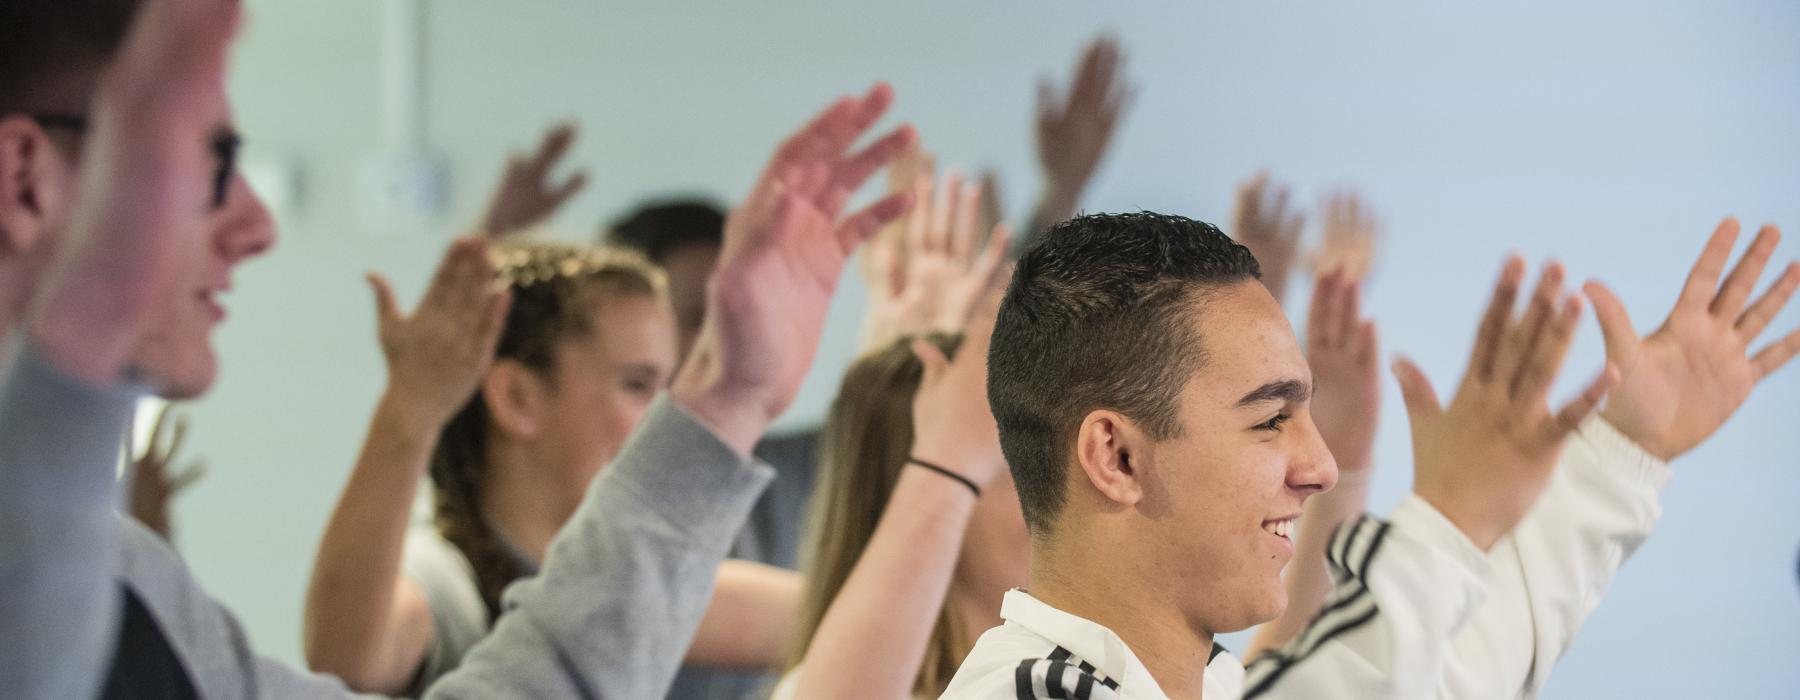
x=623, y=585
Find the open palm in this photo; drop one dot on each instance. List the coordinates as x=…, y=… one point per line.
x=1483, y=460
x=525, y=196
x=1679, y=384
x=783, y=254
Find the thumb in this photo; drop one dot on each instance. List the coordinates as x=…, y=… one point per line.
x=1615, y=324
x=1421, y=399
x=386, y=309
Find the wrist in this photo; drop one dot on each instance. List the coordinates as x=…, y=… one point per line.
x=962, y=462
x=492, y=225
x=1481, y=528
x=933, y=497
x=731, y=414
x=401, y=415
x=1629, y=430
x=945, y=472
x=1058, y=203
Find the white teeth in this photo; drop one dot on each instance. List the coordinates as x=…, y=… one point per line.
x=1280, y=528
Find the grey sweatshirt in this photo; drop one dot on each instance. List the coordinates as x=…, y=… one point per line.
x=610, y=616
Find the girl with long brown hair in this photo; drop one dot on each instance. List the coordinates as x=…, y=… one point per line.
x=912, y=486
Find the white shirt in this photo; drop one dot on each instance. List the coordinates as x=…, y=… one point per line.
x=1550, y=573
x=1418, y=610
x=1042, y=652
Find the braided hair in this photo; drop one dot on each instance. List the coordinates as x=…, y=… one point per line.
x=555, y=290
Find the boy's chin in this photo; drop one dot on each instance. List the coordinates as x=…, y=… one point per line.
x=183, y=377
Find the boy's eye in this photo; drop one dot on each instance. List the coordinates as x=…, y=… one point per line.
x=1273, y=424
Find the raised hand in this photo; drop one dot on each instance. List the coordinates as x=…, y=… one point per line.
x=883, y=260
x=1484, y=460
x=993, y=213
x=952, y=425
x=525, y=196
x=1351, y=232
x=153, y=486
x=437, y=355
x=1264, y=223
x=1075, y=127
x=1342, y=349
x=1679, y=384
x=139, y=216
x=941, y=268
x=783, y=253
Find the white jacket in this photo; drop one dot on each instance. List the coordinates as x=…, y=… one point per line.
x=1418, y=610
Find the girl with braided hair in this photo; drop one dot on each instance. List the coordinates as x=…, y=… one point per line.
x=518, y=377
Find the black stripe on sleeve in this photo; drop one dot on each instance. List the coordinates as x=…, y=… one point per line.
x=1368, y=559
x=1022, y=681
x=1060, y=654
x=1343, y=542
x=1344, y=613
x=1053, y=679
x=1084, y=685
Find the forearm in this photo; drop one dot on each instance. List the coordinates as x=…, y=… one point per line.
x=626, y=581
x=892, y=598
x=1308, y=579
x=352, y=624
x=1057, y=204
x=1275, y=278
x=59, y=448
x=1554, y=568
x=751, y=619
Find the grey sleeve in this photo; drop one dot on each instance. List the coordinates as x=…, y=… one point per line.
x=59, y=604
x=625, y=583
x=207, y=639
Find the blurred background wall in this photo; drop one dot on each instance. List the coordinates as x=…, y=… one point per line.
x=1612, y=135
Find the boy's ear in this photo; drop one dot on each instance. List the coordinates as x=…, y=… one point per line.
x=1105, y=446
x=35, y=182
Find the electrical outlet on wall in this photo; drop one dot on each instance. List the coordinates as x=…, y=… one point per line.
x=404, y=191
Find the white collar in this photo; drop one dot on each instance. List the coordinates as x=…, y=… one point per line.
x=1085, y=639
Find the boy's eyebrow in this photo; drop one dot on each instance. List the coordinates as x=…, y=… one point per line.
x=1290, y=390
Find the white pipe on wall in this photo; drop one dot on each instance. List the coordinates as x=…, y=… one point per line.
x=403, y=64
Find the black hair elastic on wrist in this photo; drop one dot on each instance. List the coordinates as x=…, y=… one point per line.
x=960, y=478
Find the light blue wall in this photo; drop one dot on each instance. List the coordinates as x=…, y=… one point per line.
x=1610, y=134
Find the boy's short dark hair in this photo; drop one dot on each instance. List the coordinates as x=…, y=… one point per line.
x=658, y=228
x=1099, y=315
x=52, y=51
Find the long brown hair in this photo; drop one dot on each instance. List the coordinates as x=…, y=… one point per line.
x=864, y=447
x=555, y=289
